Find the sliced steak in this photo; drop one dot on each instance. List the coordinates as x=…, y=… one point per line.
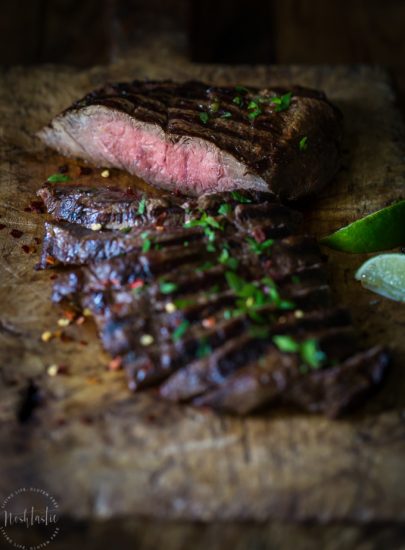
x=194, y=138
x=229, y=308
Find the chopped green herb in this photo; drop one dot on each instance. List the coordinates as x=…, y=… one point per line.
x=203, y=350
x=241, y=90
x=186, y=243
x=204, y=221
x=286, y=343
x=259, y=248
x=225, y=258
x=234, y=281
x=183, y=302
x=204, y=117
x=180, y=330
x=226, y=114
x=214, y=107
x=225, y=209
x=282, y=102
x=311, y=354
x=167, y=287
x=240, y=198
x=238, y=100
x=254, y=114
x=142, y=206
x=253, y=105
x=125, y=229
x=210, y=234
x=286, y=304
x=210, y=247
x=309, y=351
x=255, y=109
x=303, y=144
x=58, y=178
x=147, y=243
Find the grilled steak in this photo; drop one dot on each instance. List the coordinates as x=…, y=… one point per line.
x=231, y=311
x=194, y=138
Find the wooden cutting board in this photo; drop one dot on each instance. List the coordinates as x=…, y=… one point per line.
x=105, y=453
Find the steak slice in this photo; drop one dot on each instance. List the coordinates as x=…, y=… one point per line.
x=194, y=138
x=90, y=205
x=70, y=244
x=275, y=378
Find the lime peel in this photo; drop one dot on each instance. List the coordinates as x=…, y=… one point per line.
x=381, y=230
x=384, y=275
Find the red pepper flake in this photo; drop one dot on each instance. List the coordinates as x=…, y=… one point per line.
x=2, y=226
x=53, y=277
x=83, y=343
x=37, y=240
x=115, y=364
x=16, y=233
x=209, y=322
x=136, y=284
x=26, y=248
x=50, y=261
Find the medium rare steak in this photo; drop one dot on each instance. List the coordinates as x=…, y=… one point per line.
x=230, y=310
x=194, y=138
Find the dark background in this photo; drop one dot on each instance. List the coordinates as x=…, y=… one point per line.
x=88, y=32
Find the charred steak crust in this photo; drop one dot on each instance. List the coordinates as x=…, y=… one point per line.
x=178, y=312
x=194, y=138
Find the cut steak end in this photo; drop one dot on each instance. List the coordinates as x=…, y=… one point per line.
x=194, y=138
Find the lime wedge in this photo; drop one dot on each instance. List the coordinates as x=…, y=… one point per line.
x=385, y=275
x=382, y=230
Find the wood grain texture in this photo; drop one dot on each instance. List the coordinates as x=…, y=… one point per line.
x=104, y=453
